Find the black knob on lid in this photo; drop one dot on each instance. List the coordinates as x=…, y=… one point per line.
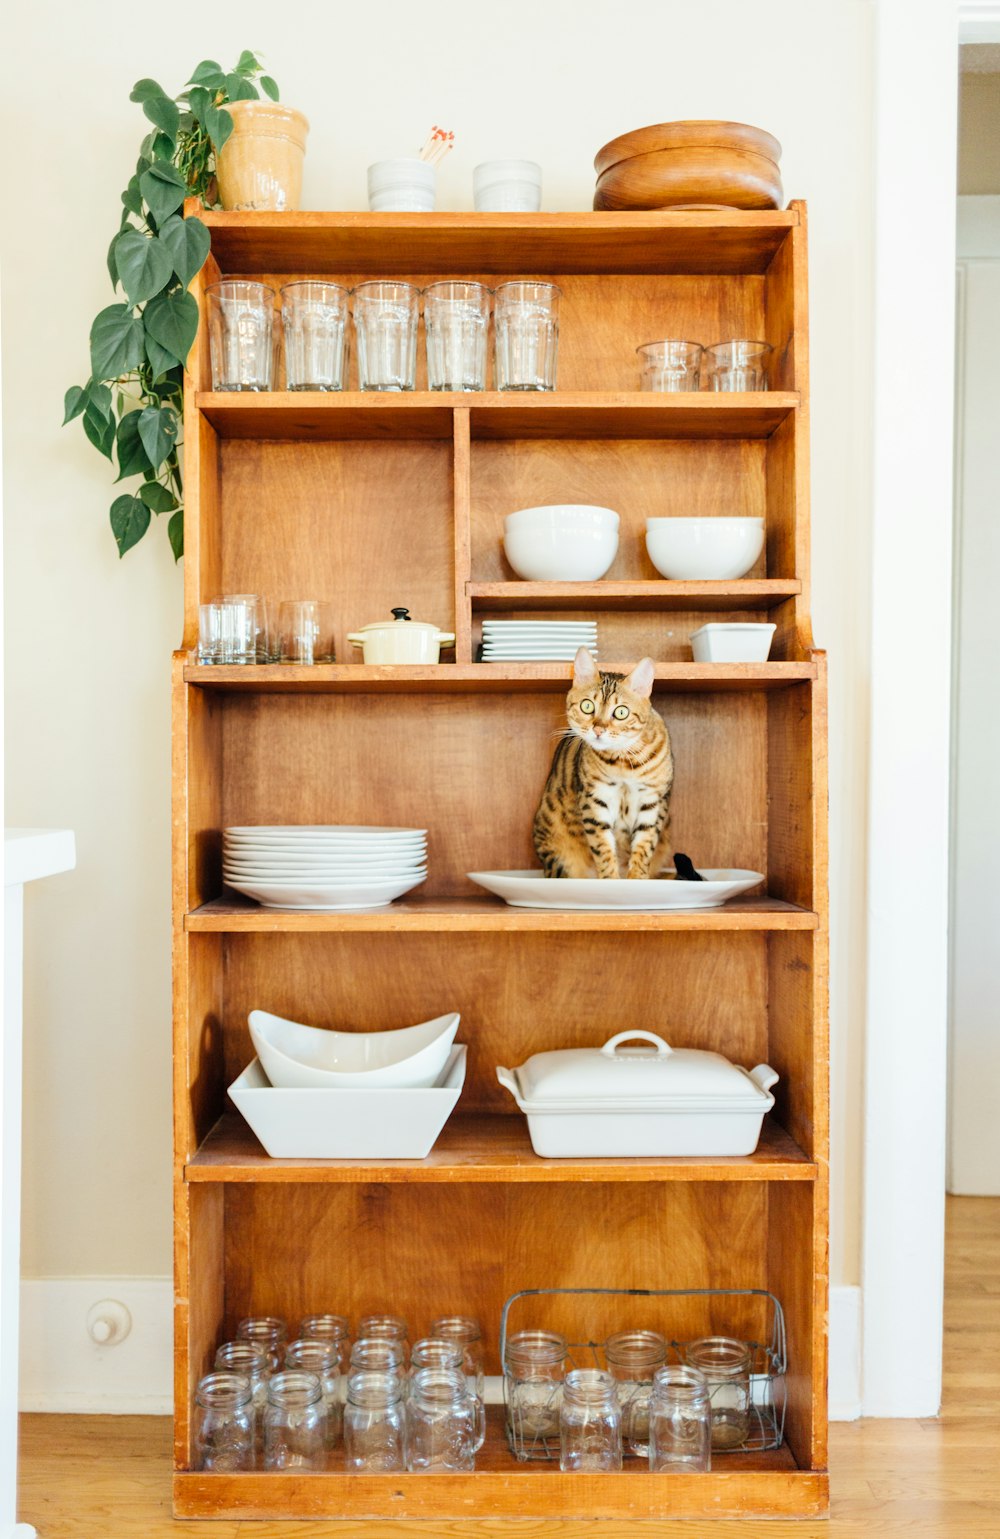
x=402, y=614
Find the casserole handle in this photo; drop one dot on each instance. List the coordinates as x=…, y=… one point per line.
x=507, y=1080
x=662, y=1050
x=764, y=1076
x=355, y=639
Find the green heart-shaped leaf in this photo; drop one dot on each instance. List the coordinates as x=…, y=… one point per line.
x=187, y=242
x=132, y=196
x=100, y=431
x=172, y=320
x=175, y=533
x=99, y=398
x=132, y=457
x=158, y=432
x=161, y=361
x=129, y=522
x=116, y=342
x=209, y=74
x=145, y=90
x=144, y=265
x=247, y=64
x=157, y=498
x=269, y=86
x=163, y=112
x=218, y=126
x=74, y=402
x=239, y=89
x=163, y=188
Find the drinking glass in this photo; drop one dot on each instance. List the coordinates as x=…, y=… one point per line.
x=737, y=365
x=323, y=1359
x=329, y=1328
x=267, y=1331
x=314, y=322
x=633, y=1357
x=466, y=1332
x=385, y=331
x=590, y=1423
x=680, y=1422
x=241, y=334
x=670, y=365
x=295, y=1422
x=456, y=323
x=224, y=1423
x=305, y=631
x=227, y=631
x=255, y=619
x=374, y=1423
x=534, y=1370
x=445, y=1424
x=725, y=1364
x=527, y=335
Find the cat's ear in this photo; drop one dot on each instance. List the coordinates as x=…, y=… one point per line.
x=585, y=670
x=640, y=680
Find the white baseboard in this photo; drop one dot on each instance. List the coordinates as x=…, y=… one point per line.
x=64, y=1369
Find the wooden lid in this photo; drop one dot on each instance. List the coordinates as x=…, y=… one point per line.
x=697, y=134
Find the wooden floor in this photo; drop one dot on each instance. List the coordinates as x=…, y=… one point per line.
x=90, y=1477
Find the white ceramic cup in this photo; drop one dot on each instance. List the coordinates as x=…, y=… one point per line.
x=507, y=187
x=401, y=186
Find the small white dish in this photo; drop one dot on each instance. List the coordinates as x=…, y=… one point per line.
x=384, y=1124
x=530, y=889
x=704, y=549
x=562, y=543
x=325, y=897
x=297, y=1057
x=732, y=642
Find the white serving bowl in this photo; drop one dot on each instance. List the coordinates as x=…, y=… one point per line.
x=298, y=1057
x=704, y=549
x=561, y=544
x=732, y=642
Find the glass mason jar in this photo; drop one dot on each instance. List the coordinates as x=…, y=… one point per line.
x=534, y=1370
x=680, y=1422
x=329, y=1328
x=435, y=1352
x=323, y=1359
x=466, y=1332
x=445, y=1423
x=725, y=1364
x=224, y=1423
x=590, y=1423
x=250, y=1360
x=374, y=1423
x=294, y=1422
x=633, y=1357
x=267, y=1331
x=376, y=1354
x=386, y=1328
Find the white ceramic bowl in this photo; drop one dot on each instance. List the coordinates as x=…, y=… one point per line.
x=561, y=544
x=298, y=1057
x=732, y=642
x=704, y=549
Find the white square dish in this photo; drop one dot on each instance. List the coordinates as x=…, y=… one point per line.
x=732, y=642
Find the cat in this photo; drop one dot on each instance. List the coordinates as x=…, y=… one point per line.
x=605, y=808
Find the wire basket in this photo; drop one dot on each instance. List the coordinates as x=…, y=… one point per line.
x=767, y=1364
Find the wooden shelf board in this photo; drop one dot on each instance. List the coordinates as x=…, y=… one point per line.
x=233, y=914
x=487, y=1148
x=482, y=678
x=301, y=416
x=730, y=241
x=753, y=593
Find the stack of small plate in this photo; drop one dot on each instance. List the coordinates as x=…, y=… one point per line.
x=520, y=641
x=332, y=866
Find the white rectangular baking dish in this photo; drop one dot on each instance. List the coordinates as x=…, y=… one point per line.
x=732, y=641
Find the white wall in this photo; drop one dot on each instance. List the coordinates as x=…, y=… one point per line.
x=89, y=639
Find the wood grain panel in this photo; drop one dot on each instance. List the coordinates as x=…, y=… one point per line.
x=798, y=1271
x=793, y=1003
x=483, y=678
x=529, y=599
x=199, y=1289
x=461, y=494
x=796, y=735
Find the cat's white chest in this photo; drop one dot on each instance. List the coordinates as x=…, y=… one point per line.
x=622, y=799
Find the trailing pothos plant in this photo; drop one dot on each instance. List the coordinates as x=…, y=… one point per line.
x=132, y=404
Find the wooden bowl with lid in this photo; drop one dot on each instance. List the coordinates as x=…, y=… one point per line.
x=690, y=165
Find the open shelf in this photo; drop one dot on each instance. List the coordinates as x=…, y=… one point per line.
x=478, y=1148
x=232, y=914
x=757, y=593
x=481, y=678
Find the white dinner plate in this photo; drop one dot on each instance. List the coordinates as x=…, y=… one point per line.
x=289, y=876
x=328, y=829
x=530, y=889
x=335, y=848
x=325, y=896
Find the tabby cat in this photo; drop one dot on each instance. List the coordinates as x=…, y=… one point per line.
x=605, y=808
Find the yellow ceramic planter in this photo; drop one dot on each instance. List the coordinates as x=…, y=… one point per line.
x=260, y=164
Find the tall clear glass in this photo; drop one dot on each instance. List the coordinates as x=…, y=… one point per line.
x=445, y=1424
x=224, y=1423
x=456, y=325
x=314, y=322
x=295, y=1422
x=323, y=1359
x=385, y=331
x=680, y=1422
x=590, y=1423
x=526, y=317
x=633, y=1357
x=374, y=1423
x=241, y=334
x=725, y=1364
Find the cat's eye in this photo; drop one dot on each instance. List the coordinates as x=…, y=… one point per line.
x=620, y=712
x=587, y=707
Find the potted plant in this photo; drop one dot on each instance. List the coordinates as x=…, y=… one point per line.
x=132, y=404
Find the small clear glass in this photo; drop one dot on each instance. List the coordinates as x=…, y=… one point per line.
x=323, y=1359
x=526, y=317
x=374, y=1423
x=267, y=1331
x=445, y=1424
x=224, y=1423
x=329, y=1328
x=725, y=1364
x=456, y=325
x=670, y=365
x=241, y=334
x=680, y=1422
x=632, y=1358
x=738, y=365
x=386, y=1328
x=534, y=1370
x=385, y=331
x=315, y=325
x=305, y=631
x=467, y=1333
x=252, y=623
x=590, y=1423
x=295, y=1422
x=227, y=632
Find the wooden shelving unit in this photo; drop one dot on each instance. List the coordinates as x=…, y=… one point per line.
x=374, y=501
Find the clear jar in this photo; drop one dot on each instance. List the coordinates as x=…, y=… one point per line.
x=269, y=1332
x=294, y=1422
x=374, y=1423
x=633, y=1357
x=329, y=1328
x=445, y=1423
x=250, y=1360
x=224, y=1423
x=534, y=1370
x=323, y=1359
x=376, y=1354
x=467, y=1333
x=680, y=1422
x=435, y=1352
x=725, y=1364
x=386, y=1328
x=590, y=1423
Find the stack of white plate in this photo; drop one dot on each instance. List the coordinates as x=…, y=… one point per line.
x=552, y=641
x=331, y=866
